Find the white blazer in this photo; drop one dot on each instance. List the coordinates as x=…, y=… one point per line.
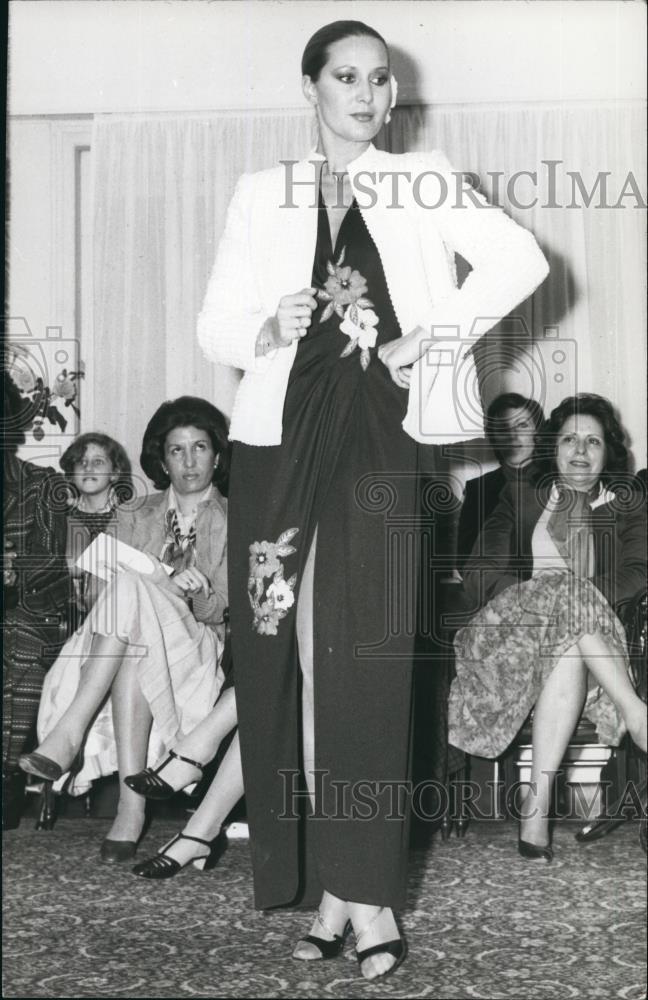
x=267, y=251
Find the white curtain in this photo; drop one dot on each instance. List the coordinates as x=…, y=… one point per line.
x=161, y=189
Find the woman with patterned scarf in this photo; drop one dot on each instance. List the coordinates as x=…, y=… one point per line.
x=551, y=569
x=153, y=641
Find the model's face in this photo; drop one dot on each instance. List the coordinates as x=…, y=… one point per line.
x=580, y=452
x=94, y=472
x=189, y=458
x=515, y=437
x=352, y=94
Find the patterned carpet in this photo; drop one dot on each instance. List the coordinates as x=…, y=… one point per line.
x=481, y=923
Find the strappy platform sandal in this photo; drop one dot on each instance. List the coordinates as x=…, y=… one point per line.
x=326, y=948
x=149, y=783
x=396, y=948
x=162, y=866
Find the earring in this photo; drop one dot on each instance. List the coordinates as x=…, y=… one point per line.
x=394, y=89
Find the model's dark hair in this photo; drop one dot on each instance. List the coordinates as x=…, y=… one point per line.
x=123, y=485
x=590, y=405
x=186, y=411
x=510, y=401
x=316, y=52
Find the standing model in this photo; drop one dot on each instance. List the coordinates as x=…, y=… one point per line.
x=326, y=285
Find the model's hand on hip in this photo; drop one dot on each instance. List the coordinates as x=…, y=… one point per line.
x=399, y=355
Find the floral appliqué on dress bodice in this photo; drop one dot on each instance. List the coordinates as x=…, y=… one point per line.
x=345, y=293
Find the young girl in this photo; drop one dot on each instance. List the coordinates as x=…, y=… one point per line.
x=98, y=471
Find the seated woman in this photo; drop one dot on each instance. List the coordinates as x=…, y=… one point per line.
x=151, y=641
x=98, y=472
x=554, y=560
x=512, y=422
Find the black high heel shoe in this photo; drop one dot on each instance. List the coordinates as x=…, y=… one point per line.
x=114, y=852
x=47, y=815
x=327, y=948
x=41, y=766
x=534, y=852
x=149, y=783
x=162, y=866
x=49, y=798
x=396, y=948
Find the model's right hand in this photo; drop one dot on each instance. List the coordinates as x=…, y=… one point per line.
x=294, y=315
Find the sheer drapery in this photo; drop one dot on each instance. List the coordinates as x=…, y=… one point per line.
x=593, y=302
x=161, y=189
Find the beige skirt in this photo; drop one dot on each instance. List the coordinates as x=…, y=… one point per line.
x=178, y=666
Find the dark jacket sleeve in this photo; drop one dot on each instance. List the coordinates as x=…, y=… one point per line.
x=469, y=523
x=622, y=556
x=44, y=582
x=490, y=567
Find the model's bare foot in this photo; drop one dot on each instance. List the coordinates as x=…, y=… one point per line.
x=329, y=924
x=374, y=925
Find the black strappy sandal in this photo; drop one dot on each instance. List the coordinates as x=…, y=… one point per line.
x=162, y=866
x=326, y=948
x=149, y=783
x=396, y=948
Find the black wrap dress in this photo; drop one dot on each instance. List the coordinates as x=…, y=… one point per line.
x=346, y=467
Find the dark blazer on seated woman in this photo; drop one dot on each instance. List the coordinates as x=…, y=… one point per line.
x=503, y=553
x=481, y=496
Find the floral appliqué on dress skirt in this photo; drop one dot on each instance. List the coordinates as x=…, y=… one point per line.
x=345, y=293
x=271, y=601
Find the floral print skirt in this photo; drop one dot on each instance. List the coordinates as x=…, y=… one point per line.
x=506, y=653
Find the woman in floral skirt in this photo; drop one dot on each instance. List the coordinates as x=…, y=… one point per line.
x=557, y=557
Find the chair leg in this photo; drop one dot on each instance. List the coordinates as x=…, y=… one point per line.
x=463, y=815
x=47, y=816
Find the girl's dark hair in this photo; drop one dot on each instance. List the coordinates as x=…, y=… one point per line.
x=590, y=405
x=316, y=52
x=186, y=411
x=123, y=485
x=510, y=401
